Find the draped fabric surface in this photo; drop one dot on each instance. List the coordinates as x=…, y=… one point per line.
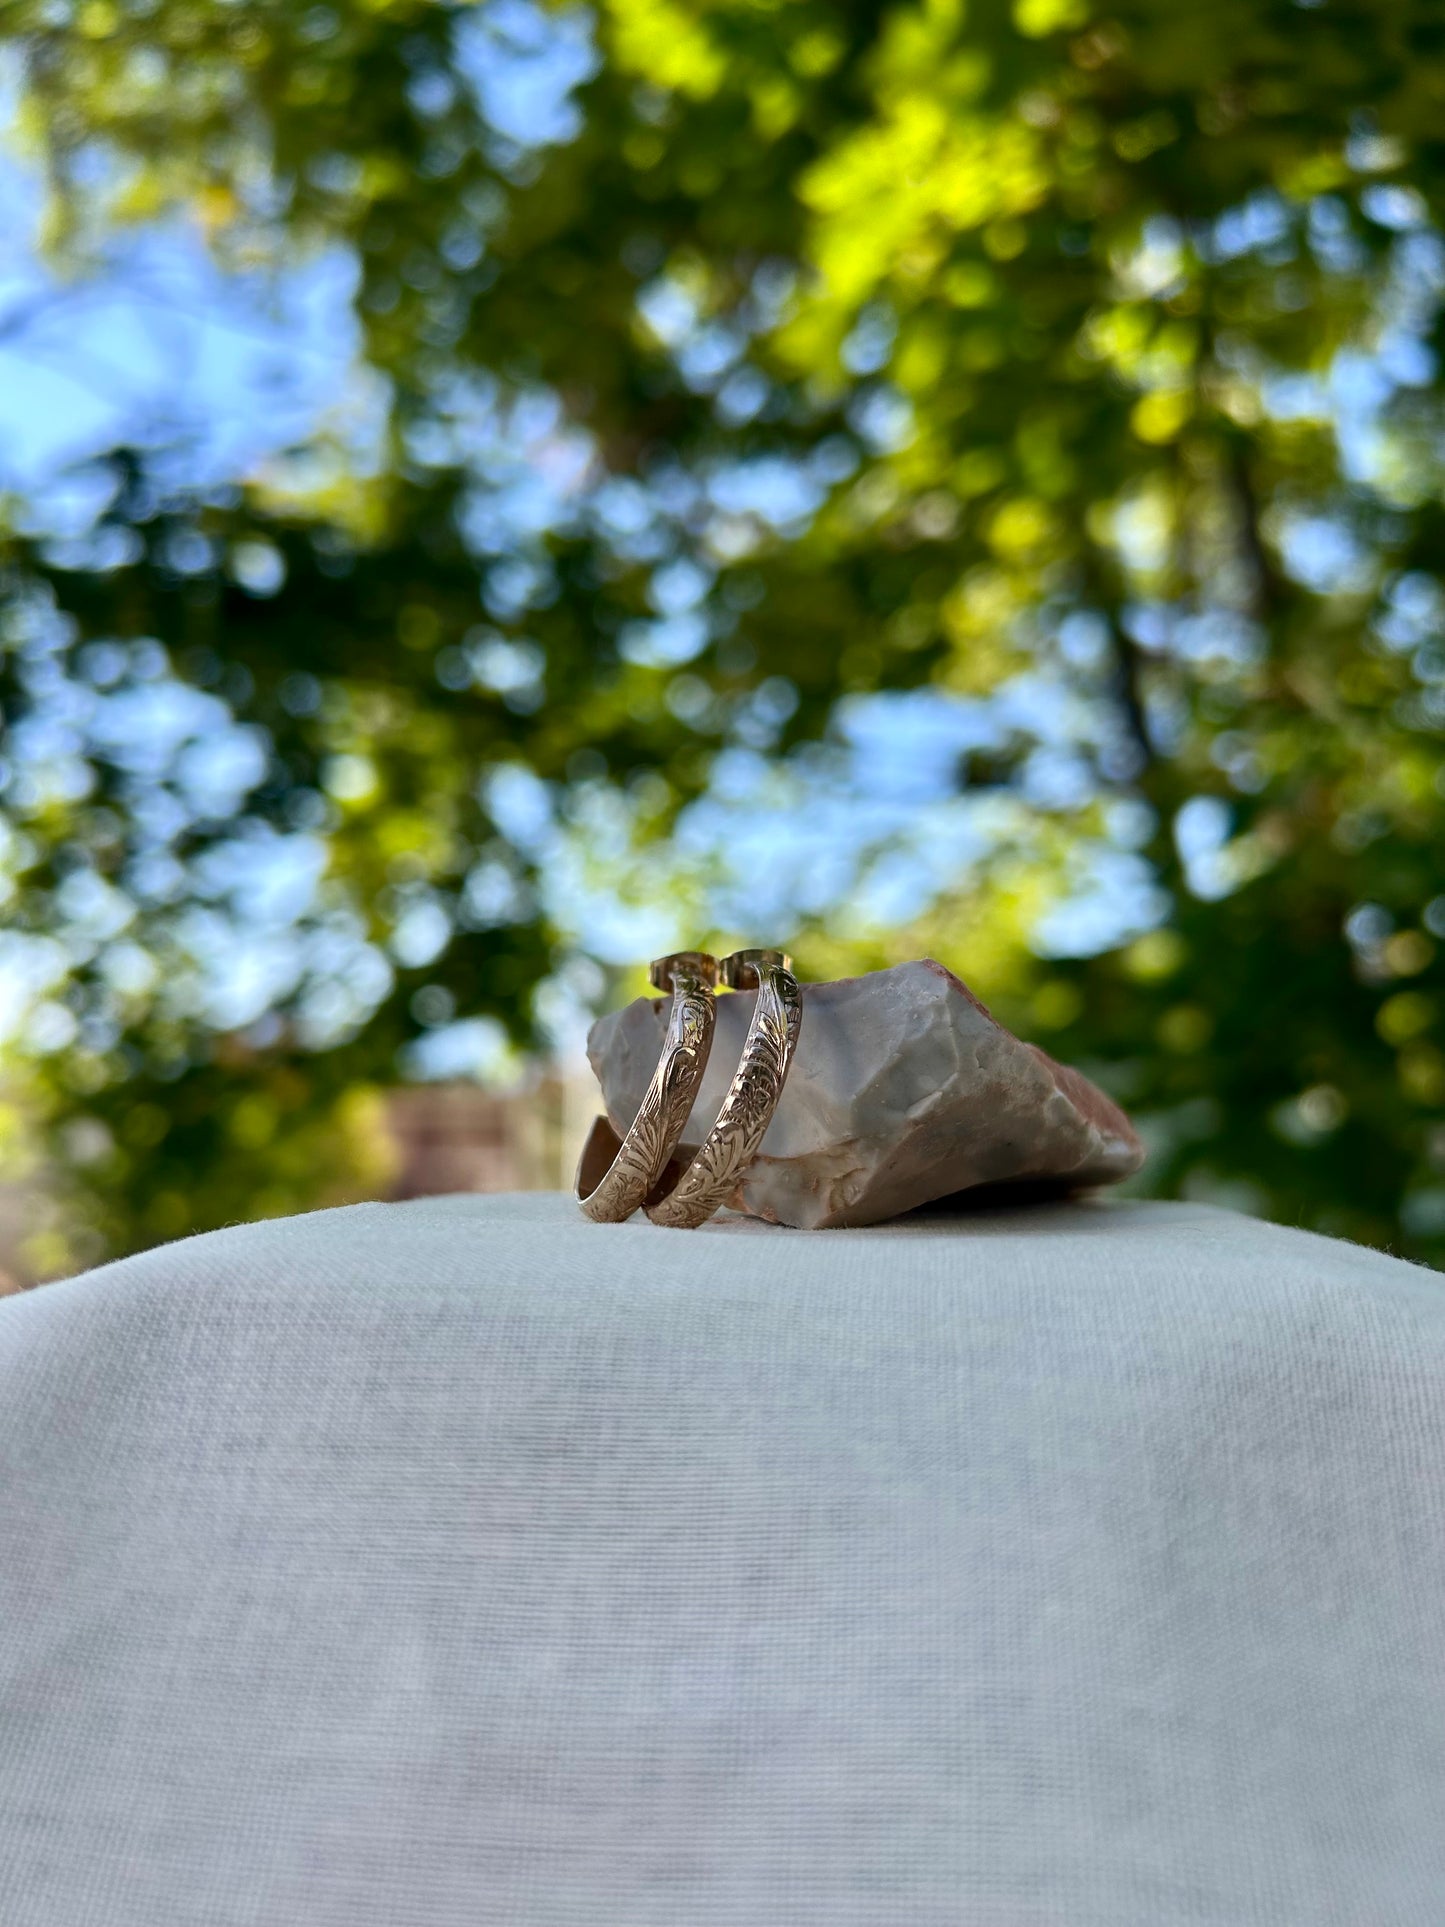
x=460, y=1563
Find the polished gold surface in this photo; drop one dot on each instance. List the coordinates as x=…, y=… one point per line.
x=742, y=968
x=612, y=1191
x=710, y=1178
x=697, y=963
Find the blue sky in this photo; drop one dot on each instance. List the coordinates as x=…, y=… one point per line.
x=221, y=371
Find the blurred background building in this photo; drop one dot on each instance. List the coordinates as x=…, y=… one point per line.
x=431, y=1139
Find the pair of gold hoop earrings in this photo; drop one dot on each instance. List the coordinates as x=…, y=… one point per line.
x=615, y=1177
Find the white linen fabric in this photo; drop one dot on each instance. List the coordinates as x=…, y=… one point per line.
x=461, y=1562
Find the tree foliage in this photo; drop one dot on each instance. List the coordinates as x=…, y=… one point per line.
x=731, y=361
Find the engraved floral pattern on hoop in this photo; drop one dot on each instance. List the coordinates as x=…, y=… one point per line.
x=654, y=1133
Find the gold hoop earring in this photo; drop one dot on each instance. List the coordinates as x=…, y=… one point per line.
x=613, y=1178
